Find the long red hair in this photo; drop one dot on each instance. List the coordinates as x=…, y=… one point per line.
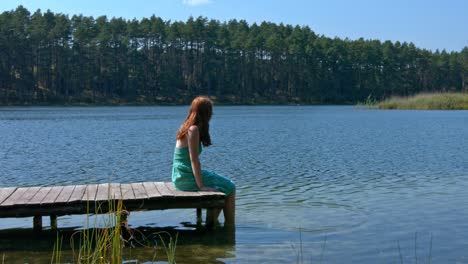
x=199, y=115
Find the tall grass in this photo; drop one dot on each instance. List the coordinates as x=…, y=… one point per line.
x=103, y=245
x=169, y=248
x=106, y=245
x=57, y=251
x=436, y=101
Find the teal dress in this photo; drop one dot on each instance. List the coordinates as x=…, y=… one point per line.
x=184, y=180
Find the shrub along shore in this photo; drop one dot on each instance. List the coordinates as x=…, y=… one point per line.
x=436, y=101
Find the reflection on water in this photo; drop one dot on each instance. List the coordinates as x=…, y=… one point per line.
x=359, y=182
x=193, y=246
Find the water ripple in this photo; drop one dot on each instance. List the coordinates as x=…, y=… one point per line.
x=366, y=178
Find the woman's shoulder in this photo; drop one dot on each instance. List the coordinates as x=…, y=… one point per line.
x=193, y=129
x=193, y=133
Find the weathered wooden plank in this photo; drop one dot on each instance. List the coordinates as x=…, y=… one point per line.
x=60, y=200
x=5, y=193
x=65, y=194
x=163, y=190
x=209, y=195
x=127, y=191
x=116, y=193
x=80, y=208
x=151, y=190
x=28, y=195
x=139, y=190
x=39, y=196
x=103, y=192
x=52, y=195
x=90, y=192
x=171, y=203
x=15, y=197
x=77, y=194
x=178, y=193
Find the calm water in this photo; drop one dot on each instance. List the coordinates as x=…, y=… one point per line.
x=355, y=185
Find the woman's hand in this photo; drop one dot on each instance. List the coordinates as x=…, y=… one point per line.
x=208, y=189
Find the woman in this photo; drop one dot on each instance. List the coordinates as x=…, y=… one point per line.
x=187, y=174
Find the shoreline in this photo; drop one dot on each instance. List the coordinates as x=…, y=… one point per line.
x=170, y=104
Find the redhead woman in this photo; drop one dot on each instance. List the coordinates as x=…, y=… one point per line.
x=187, y=174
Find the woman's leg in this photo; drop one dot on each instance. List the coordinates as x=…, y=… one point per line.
x=230, y=211
x=225, y=185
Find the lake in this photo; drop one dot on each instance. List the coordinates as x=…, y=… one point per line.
x=337, y=183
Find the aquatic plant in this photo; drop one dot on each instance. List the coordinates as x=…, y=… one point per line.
x=102, y=245
x=170, y=248
x=106, y=244
x=57, y=251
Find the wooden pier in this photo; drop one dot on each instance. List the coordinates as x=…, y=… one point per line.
x=55, y=201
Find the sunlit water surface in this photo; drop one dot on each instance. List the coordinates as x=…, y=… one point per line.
x=336, y=183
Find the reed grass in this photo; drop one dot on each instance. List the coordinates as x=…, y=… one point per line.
x=106, y=245
x=57, y=251
x=416, y=259
x=299, y=252
x=169, y=248
x=103, y=245
x=426, y=101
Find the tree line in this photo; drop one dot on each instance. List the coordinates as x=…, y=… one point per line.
x=50, y=58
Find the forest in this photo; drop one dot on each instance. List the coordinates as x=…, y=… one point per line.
x=51, y=58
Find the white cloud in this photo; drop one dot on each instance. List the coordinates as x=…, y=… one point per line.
x=196, y=2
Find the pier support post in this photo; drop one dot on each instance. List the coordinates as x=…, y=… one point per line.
x=53, y=222
x=37, y=223
x=212, y=217
x=199, y=216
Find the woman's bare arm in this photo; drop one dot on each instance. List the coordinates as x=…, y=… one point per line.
x=193, y=137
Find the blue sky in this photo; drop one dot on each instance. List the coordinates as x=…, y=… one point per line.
x=430, y=24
